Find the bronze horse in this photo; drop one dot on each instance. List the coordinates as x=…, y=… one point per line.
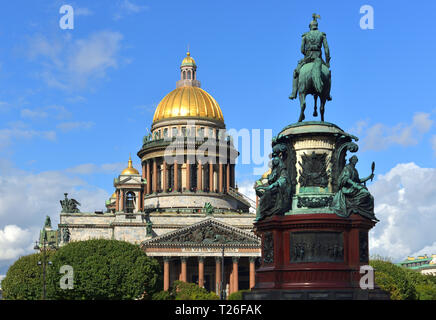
x=315, y=79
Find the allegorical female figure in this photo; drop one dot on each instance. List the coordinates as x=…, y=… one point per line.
x=275, y=197
x=352, y=196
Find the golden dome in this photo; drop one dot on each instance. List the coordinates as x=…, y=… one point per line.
x=130, y=170
x=114, y=195
x=188, y=61
x=188, y=101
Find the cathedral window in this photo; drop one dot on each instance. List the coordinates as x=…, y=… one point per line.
x=174, y=132
x=130, y=202
x=165, y=132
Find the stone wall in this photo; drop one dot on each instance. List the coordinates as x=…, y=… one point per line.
x=121, y=226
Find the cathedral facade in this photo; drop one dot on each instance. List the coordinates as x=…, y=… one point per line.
x=183, y=208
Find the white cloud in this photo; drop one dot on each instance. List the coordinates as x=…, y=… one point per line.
x=246, y=188
x=13, y=242
x=405, y=205
x=380, y=136
x=127, y=7
x=90, y=168
x=70, y=64
x=75, y=125
x=25, y=200
x=53, y=111
x=19, y=131
x=33, y=114
x=82, y=12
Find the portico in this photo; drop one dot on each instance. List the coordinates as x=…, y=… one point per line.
x=195, y=254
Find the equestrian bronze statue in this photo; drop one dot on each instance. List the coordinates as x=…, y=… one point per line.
x=312, y=75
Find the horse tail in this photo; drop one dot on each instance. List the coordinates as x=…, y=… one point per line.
x=316, y=75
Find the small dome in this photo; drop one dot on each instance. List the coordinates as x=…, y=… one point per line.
x=188, y=61
x=113, y=196
x=130, y=170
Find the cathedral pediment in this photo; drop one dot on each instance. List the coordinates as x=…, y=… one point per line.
x=210, y=232
x=129, y=180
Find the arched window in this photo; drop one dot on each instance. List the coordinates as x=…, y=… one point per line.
x=189, y=75
x=130, y=202
x=184, y=75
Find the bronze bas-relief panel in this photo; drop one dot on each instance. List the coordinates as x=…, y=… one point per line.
x=319, y=246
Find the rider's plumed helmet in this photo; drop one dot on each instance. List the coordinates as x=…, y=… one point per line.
x=314, y=24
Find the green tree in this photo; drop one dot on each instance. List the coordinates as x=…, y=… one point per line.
x=24, y=280
x=394, y=279
x=104, y=269
x=237, y=295
x=425, y=285
x=191, y=291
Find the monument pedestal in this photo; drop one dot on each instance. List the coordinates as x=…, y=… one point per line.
x=312, y=256
x=310, y=248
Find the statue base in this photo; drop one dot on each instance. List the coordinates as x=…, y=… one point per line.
x=313, y=256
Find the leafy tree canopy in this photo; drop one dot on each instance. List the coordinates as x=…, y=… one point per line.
x=102, y=269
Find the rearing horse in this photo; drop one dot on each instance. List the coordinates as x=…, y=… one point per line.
x=315, y=79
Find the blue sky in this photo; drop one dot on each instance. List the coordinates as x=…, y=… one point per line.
x=75, y=103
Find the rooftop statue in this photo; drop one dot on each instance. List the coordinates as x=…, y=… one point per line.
x=352, y=196
x=69, y=205
x=47, y=223
x=312, y=75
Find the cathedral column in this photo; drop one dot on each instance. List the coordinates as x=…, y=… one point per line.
x=233, y=184
x=220, y=178
x=201, y=272
x=211, y=189
x=143, y=171
x=122, y=200
x=117, y=201
x=218, y=275
x=252, y=272
x=176, y=176
x=165, y=176
x=235, y=274
x=138, y=202
x=199, y=176
x=166, y=273
x=228, y=177
x=188, y=176
x=148, y=185
x=183, y=276
x=154, y=175
x=231, y=282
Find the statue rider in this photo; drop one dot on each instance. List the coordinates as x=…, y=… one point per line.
x=311, y=45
